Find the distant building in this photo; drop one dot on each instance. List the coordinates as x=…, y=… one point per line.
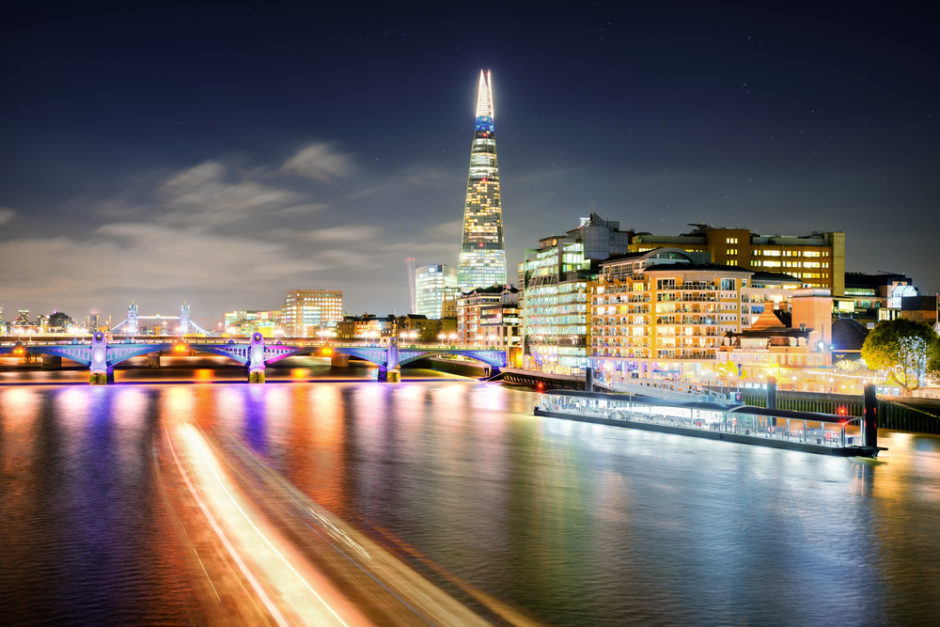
x=919, y=309
x=369, y=327
x=22, y=318
x=433, y=286
x=306, y=311
x=878, y=296
x=246, y=322
x=818, y=260
x=415, y=328
x=59, y=321
x=364, y=327
x=769, y=290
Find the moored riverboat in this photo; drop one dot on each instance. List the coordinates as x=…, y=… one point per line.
x=811, y=432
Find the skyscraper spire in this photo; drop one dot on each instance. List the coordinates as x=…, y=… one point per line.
x=482, y=260
x=485, y=96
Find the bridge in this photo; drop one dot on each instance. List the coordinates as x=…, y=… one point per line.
x=130, y=326
x=101, y=357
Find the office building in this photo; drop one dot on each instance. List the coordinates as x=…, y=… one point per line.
x=555, y=281
x=307, y=311
x=818, y=260
x=433, y=286
x=482, y=259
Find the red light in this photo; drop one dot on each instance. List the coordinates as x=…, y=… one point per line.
x=540, y=385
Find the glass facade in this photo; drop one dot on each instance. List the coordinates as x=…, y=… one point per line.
x=434, y=284
x=482, y=259
x=555, y=321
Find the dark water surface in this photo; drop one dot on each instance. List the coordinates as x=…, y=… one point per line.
x=571, y=523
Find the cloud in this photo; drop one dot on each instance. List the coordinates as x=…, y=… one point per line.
x=451, y=229
x=320, y=162
x=6, y=214
x=130, y=259
x=342, y=234
x=201, y=196
x=303, y=209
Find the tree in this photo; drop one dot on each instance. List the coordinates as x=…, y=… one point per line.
x=900, y=348
x=933, y=359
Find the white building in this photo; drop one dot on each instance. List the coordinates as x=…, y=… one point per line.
x=433, y=285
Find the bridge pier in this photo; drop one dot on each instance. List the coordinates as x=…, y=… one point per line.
x=392, y=367
x=102, y=378
x=102, y=372
x=51, y=362
x=256, y=359
x=153, y=360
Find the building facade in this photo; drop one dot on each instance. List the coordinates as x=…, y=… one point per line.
x=660, y=314
x=482, y=259
x=490, y=316
x=555, y=280
x=306, y=311
x=433, y=286
x=470, y=313
x=818, y=260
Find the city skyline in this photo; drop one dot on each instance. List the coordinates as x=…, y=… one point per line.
x=162, y=160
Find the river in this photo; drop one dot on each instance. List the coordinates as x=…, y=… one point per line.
x=506, y=515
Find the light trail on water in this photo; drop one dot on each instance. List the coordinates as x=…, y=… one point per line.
x=289, y=590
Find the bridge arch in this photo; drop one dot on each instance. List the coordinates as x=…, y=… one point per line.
x=493, y=358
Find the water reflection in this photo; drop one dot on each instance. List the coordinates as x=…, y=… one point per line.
x=570, y=522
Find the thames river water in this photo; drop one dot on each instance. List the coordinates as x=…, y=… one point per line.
x=446, y=489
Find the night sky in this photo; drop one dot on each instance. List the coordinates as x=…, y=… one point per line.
x=223, y=156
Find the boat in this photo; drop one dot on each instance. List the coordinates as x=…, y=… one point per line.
x=811, y=432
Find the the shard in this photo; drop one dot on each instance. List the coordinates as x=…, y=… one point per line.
x=482, y=260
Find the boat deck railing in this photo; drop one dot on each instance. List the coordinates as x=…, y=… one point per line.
x=835, y=434
x=669, y=389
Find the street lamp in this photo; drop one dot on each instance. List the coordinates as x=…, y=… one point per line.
x=442, y=337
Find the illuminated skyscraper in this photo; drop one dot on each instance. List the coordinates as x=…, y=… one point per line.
x=434, y=285
x=482, y=260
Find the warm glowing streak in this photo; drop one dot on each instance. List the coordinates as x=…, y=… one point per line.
x=262, y=555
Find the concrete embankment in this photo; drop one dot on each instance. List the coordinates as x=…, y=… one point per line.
x=540, y=380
